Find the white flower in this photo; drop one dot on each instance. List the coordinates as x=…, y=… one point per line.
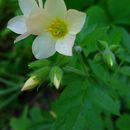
x=55, y=26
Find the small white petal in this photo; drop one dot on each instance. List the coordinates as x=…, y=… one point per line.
x=38, y=21
x=76, y=20
x=27, y=6
x=43, y=46
x=17, y=24
x=64, y=46
x=56, y=8
x=21, y=37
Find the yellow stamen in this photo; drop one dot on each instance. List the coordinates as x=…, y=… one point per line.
x=58, y=28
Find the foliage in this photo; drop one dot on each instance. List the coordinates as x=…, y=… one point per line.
x=93, y=85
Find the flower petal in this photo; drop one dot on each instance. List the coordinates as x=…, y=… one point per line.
x=56, y=8
x=64, y=46
x=21, y=37
x=38, y=21
x=40, y=3
x=17, y=24
x=76, y=20
x=43, y=46
x=27, y=6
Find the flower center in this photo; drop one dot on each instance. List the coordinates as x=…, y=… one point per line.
x=58, y=28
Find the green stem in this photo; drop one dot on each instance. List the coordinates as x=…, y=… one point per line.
x=83, y=64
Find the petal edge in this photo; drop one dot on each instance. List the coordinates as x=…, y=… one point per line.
x=64, y=46
x=43, y=46
x=76, y=20
x=17, y=24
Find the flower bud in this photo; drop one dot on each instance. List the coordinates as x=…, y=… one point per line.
x=56, y=76
x=31, y=83
x=109, y=57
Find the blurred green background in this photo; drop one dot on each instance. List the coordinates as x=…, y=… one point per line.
x=109, y=21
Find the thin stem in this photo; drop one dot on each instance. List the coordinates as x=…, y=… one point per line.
x=83, y=64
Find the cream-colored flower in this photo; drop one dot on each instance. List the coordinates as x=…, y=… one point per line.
x=55, y=26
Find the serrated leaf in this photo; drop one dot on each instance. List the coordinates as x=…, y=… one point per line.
x=100, y=72
x=89, y=43
x=74, y=101
x=104, y=101
x=81, y=118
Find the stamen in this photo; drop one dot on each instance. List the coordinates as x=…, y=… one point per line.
x=58, y=28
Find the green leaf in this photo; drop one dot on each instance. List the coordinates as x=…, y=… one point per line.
x=81, y=118
x=89, y=43
x=125, y=70
x=21, y=123
x=120, y=85
x=74, y=100
x=76, y=4
x=39, y=64
x=123, y=123
x=103, y=100
x=36, y=114
x=100, y=72
x=97, y=15
x=41, y=73
x=126, y=40
x=120, y=11
x=102, y=45
x=115, y=35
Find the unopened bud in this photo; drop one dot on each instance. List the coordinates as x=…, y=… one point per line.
x=109, y=58
x=56, y=76
x=31, y=83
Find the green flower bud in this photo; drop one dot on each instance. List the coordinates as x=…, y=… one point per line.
x=56, y=76
x=109, y=57
x=31, y=83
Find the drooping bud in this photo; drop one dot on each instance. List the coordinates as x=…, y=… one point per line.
x=109, y=57
x=56, y=76
x=31, y=83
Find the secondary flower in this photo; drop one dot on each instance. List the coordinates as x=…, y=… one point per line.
x=55, y=27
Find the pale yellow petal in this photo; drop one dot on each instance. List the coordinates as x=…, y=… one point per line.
x=65, y=45
x=76, y=20
x=38, y=21
x=56, y=8
x=43, y=46
x=27, y=6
